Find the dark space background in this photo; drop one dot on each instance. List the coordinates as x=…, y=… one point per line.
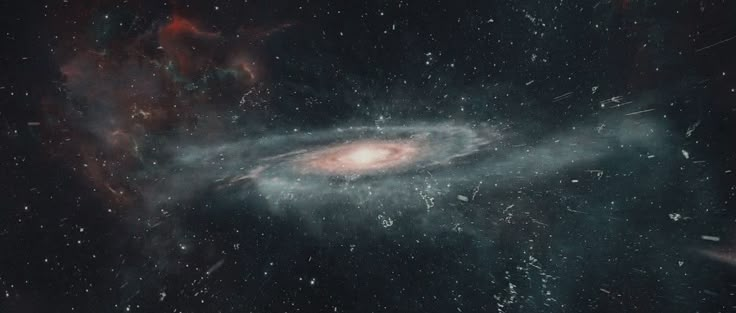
x=75, y=235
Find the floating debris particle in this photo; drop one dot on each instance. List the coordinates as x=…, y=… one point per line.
x=710, y=238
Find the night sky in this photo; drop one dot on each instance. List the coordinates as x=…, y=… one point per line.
x=368, y=156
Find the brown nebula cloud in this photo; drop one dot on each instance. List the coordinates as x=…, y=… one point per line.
x=165, y=82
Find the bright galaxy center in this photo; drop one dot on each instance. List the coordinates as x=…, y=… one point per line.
x=367, y=155
x=360, y=157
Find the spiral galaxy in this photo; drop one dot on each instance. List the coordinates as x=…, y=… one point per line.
x=404, y=167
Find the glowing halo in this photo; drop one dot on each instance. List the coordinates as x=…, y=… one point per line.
x=409, y=166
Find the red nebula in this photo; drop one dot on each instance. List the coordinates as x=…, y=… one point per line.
x=190, y=46
x=360, y=157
